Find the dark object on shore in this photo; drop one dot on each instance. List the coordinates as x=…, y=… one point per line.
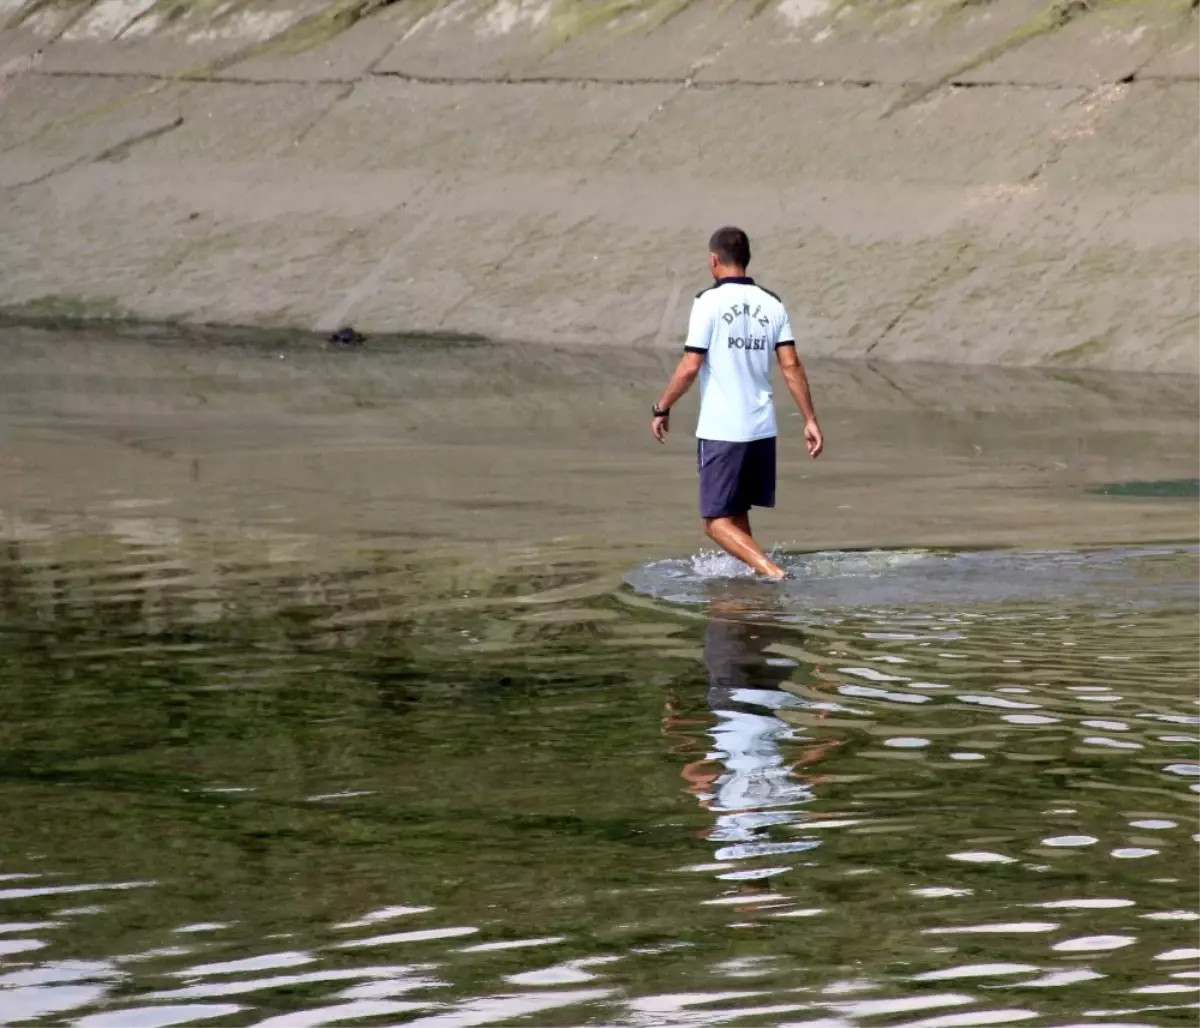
x=347, y=337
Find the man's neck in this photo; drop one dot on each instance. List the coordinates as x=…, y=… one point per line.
x=723, y=272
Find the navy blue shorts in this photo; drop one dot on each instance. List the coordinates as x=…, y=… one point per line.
x=735, y=476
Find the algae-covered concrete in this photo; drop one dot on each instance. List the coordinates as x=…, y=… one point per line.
x=1012, y=181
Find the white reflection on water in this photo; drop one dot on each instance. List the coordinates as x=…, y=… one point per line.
x=157, y=1017
x=399, y=978
x=494, y=947
x=420, y=935
x=506, y=1007
x=1093, y=943
x=336, y=1012
x=974, y=971
x=384, y=914
x=570, y=972
x=1002, y=928
x=1085, y=904
x=262, y=962
x=63, y=890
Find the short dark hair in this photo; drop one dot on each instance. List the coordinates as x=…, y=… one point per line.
x=731, y=245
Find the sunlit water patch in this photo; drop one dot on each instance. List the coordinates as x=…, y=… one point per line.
x=1122, y=576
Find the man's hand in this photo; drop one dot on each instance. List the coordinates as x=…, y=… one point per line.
x=797, y=383
x=813, y=438
x=685, y=374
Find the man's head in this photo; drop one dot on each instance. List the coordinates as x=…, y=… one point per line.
x=728, y=252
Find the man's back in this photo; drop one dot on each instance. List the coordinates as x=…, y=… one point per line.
x=737, y=325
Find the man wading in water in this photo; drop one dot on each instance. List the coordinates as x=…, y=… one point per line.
x=734, y=328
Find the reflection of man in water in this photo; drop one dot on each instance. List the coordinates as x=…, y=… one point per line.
x=748, y=779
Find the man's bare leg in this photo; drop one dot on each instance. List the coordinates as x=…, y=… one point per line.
x=732, y=534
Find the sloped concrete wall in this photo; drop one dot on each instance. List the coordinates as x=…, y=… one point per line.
x=968, y=181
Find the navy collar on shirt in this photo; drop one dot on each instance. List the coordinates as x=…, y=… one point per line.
x=734, y=280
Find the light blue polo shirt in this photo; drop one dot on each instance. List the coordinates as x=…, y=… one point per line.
x=737, y=325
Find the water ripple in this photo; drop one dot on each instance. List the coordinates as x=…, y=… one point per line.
x=571, y=804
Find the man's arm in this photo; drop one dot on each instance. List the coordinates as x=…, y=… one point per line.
x=699, y=338
x=681, y=381
x=797, y=383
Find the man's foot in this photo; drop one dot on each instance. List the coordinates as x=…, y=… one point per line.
x=732, y=534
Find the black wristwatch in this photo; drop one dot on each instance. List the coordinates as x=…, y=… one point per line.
x=660, y=413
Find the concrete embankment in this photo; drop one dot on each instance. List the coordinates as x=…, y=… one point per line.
x=950, y=180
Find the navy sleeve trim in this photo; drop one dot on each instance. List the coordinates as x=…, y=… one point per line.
x=695, y=349
x=785, y=342
x=704, y=290
x=769, y=293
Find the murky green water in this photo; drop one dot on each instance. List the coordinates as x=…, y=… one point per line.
x=264, y=761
